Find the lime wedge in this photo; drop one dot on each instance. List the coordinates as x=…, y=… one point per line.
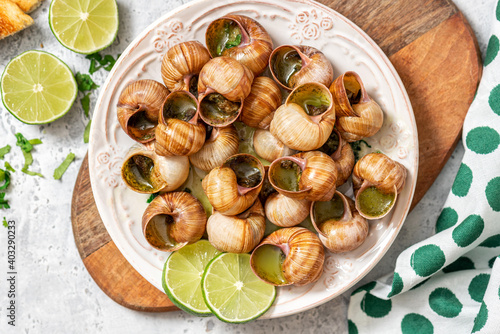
x=182, y=276
x=84, y=26
x=37, y=87
x=233, y=292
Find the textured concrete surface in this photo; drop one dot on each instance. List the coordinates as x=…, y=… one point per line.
x=55, y=294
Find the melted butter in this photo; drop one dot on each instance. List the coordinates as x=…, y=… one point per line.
x=181, y=106
x=138, y=171
x=287, y=175
x=329, y=210
x=311, y=99
x=246, y=170
x=268, y=263
x=285, y=66
x=218, y=109
x=193, y=186
x=141, y=127
x=374, y=203
x=245, y=133
x=158, y=232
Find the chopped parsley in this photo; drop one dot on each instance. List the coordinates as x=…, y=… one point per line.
x=59, y=171
x=85, y=101
x=4, y=222
x=5, y=178
x=97, y=62
x=26, y=147
x=152, y=197
x=4, y=150
x=85, y=82
x=86, y=133
x=235, y=42
x=356, y=148
x=4, y=204
x=9, y=167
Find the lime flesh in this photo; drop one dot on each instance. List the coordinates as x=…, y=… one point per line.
x=182, y=276
x=37, y=87
x=84, y=26
x=233, y=292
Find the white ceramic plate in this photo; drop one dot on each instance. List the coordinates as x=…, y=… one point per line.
x=288, y=22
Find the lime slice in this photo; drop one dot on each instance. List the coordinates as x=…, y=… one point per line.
x=37, y=87
x=233, y=292
x=84, y=26
x=182, y=276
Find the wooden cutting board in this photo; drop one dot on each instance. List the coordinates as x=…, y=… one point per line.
x=434, y=51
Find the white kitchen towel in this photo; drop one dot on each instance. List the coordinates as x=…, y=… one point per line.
x=450, y=282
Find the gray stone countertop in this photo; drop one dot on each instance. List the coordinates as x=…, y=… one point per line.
x=55, y=293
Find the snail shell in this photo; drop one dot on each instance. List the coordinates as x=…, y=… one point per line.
x=146, y=172
x=223, y=85
x=222, y=143
x=341, y=153
x=285, y=211
x=359, y=116
x=307, y=175
x=179, y=132
x=293, y=65
x=304, y=256
x=138, y=110
x=344, y=229
x=264, y=98
x=237, y=234
x=253, y=48
x=173, y=220
x=299, y=124
x=181, y=65
x=234, y=187
x=384, y=177
x=268, y=146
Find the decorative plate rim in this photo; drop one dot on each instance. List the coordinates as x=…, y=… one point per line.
x=100, y=201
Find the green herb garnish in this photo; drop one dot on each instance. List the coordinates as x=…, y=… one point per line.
x=59, y=172
x=85, y=82
x=85, y=101
x=235, y=42
x=86, y=133
x=356, y=148
x=9, y=167
x=4, y=222
x=5, y=178
x=152, y=197
x=4, y=204
x=26, y=147
x=107, y=62
x=4, y=150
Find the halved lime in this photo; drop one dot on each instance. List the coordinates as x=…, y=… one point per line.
x=37, y=87
x=182, y=276
x=233, y=292
x=84, y=26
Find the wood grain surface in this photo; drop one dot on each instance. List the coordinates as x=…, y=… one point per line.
x=434, y=51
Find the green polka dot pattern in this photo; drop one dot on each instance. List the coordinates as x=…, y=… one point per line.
x=493, y=194
x=494, y=100
x=462, y=263
x=491, y=242
x=492, y=52
x=482, y=140
x=468, y=231
x=477, y=287
x=351, y=327
x=491, y=262
x=481, y=318
x=375, y=307
x=397, y=285
x=447, y=219
x=445, y=303
x=427, y=260
x=414, y=323
x=463, y=181
x=367, y=287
